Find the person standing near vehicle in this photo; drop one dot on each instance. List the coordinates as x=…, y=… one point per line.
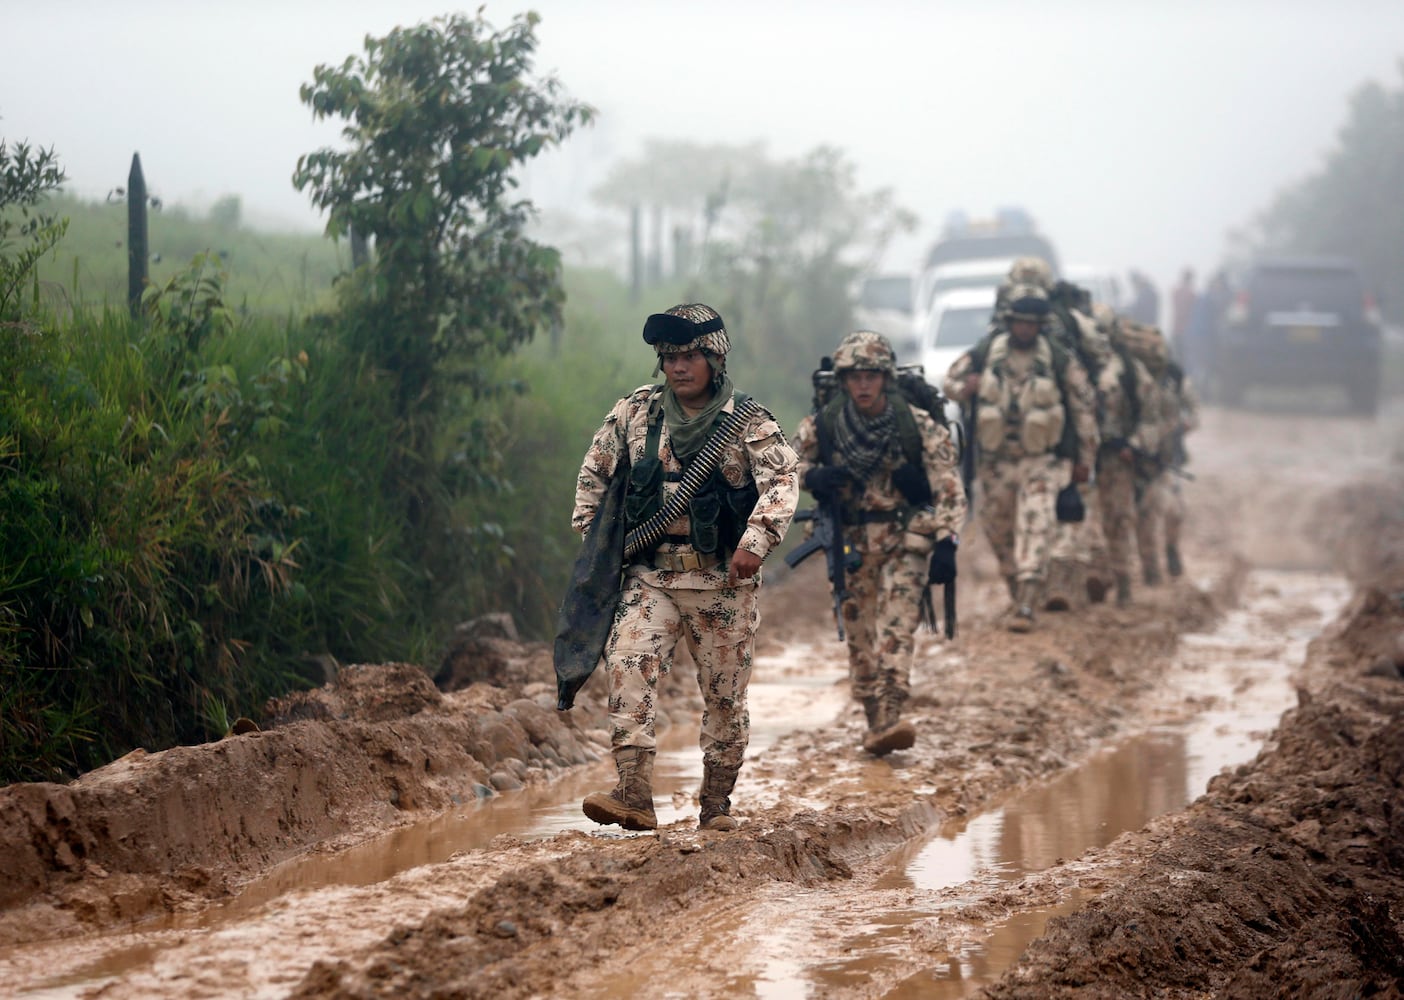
x=896, y=472
x=1035, y=415
x=700, y=583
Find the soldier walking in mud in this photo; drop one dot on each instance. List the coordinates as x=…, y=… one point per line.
x=1160, y=506
x=1034, y=417
x=897, y=476
x=1126, y=399
x=700, y=581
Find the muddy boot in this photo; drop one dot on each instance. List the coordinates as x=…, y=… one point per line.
x=1023, y=618
x=631, y=803
x=1123, y=590
x=717, y=783
x=1173, y=566
x=1150, y=574
x=892, y=732
x=1096, y=588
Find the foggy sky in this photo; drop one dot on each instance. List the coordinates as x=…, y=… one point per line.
x=1136, y=134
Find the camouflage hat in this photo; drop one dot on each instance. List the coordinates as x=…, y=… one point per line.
x=1028, y=302
x=1104, y=315
x=1031, y=271
x=688, y=327
x=865, y=351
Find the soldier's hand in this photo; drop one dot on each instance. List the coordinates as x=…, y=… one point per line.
x=1081, y=473
x=744, y=565
x=825, y=480
x=943, y=562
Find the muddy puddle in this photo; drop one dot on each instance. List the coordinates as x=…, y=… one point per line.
x=797, y=689
x=893, y=924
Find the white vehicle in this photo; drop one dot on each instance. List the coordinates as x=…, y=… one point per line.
x=934, y=283
x=955, y=323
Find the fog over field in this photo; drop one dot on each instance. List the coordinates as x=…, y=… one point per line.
x=1136, y=135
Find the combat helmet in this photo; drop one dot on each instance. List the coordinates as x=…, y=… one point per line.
x=1028, y=302
x=691, y=326
x=1031, y=271
x=865, y=350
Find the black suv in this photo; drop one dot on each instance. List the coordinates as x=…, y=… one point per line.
x=1299, y=321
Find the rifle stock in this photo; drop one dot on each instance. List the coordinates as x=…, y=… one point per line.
x=828, y=535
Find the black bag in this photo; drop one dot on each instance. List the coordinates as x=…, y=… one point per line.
x=1068, y=506
x=587, y=613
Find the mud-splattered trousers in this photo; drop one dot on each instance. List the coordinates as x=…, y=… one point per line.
x=883, y=606
x=1116, y=503
x=659, y=606
x=1016, y=507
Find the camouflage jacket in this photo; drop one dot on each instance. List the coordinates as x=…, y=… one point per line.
x=947, y=512
x=760, y=454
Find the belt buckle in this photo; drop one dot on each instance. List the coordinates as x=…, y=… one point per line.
x=690, y=560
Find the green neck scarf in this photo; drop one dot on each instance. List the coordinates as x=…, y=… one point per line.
x=688, y=434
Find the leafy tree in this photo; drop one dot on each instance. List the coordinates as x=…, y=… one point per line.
x=1351, y=206
x=439, y=116
x=27, y=176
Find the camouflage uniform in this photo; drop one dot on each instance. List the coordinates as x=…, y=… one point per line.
x=673, y=592
x=894, y=540
x=1126, y=388
x=1021, y=423
x=1161, y=507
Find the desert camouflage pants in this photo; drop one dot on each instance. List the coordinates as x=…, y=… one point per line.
x=1154, y=498
x=1116, y=493
x=1016, y=508
x=880, y=615
x=719, y=627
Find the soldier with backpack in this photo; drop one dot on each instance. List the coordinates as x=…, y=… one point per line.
x=1035, y=426
x=893, y=467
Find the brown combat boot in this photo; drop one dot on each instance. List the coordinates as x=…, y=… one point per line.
x=1123, y=590
x=631, y=803
x=1023, y=618
x=1150, y=574
x=1173, y=566
x=717, y=783
x=891, y=732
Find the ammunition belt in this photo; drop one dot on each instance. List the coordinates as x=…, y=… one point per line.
x=682, y=562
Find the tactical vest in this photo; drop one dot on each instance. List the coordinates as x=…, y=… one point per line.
x=717, y=515
x=1032, y=411
x=908, y=434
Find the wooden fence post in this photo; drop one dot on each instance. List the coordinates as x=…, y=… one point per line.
x=136, y=236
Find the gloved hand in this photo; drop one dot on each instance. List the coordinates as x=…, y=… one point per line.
x=825, y=480
x=912, y=483
x=943, y=562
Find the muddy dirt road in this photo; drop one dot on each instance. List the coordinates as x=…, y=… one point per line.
x=1200, y=795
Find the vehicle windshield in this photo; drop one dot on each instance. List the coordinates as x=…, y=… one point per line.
x=1328, y=289
x=941, y=285
x=961, y=327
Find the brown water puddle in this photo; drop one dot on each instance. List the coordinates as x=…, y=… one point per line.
x=830, y=942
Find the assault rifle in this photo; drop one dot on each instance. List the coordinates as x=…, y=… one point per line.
x=1149, y=460
x=827, y=516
